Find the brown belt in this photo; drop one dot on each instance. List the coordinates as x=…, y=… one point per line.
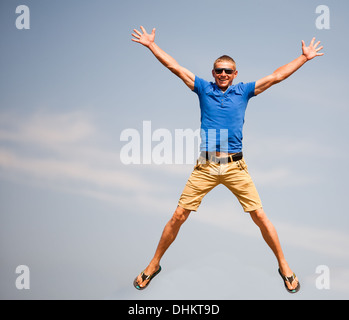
x=209, y=156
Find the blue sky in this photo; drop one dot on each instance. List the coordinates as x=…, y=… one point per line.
x=86, y=224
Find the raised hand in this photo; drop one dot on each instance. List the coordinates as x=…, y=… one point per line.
x=145, y=38
x=312, y=51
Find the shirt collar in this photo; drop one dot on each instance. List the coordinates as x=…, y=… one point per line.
x=230, y=88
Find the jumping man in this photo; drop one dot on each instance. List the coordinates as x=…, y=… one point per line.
x=223, y=107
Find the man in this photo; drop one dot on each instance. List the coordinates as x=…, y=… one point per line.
x=223, y=108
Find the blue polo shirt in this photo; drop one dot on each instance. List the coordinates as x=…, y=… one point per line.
x=222, y=114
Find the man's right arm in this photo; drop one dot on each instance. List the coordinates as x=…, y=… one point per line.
x=148, y=41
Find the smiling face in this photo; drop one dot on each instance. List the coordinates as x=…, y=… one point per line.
x=222, y=78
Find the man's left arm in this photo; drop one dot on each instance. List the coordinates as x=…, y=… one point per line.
x=285, y=71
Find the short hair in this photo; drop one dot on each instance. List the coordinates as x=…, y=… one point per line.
x=225, y=58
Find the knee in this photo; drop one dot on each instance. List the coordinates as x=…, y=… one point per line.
x=259, y=216
x=180, y=215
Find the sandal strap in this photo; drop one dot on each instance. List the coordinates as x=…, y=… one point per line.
x=144, y=276
x=290, y=279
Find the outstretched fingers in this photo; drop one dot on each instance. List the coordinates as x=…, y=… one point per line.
x=312, y=50
x=135, y=30
x=143, y=37
x=143, y=30
x=318, y=49
x=316, y=44
x=135, y=39
x=136, y=36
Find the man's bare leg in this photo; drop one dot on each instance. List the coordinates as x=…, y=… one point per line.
x=271, y=238
x=168, y=236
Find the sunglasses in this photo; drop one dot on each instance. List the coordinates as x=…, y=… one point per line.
x=220, y=70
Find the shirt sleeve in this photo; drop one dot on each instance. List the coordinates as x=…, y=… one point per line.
x=249, y=89
x=199, y=85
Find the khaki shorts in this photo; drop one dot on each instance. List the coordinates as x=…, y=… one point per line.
x=207, y=175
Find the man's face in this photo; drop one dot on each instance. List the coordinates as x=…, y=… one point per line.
x=222, y=78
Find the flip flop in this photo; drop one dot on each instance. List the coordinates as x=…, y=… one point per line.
x=290, y=280
x=145, y=277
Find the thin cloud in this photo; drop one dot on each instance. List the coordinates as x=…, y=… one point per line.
x=57, y=148
x=46, y=129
